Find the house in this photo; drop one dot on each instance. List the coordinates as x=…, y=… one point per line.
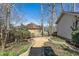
x=34, y=29
x=64, y=23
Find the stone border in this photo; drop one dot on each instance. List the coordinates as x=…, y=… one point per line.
x=27, y=52
x=73, y=48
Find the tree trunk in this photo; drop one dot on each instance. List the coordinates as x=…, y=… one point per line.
x=42, y=19
x=4, y=39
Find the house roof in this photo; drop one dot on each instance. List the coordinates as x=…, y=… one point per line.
x=75, y=14
x=33, y=26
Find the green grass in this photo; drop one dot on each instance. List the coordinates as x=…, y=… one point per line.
x=12, y=54
x=4, y=53
x=8, y=53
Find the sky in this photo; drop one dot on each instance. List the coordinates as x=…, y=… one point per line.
x=31, y=12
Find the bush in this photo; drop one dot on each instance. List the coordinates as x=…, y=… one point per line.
x=21, y=34
x=75, y=36
x=25, y=34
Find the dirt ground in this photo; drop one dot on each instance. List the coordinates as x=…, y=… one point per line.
x=37, y=48
x=39, y=41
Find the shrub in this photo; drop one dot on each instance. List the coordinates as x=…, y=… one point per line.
x=21, y=34
x=25, y=34
x=75, y=36
x=75, y=33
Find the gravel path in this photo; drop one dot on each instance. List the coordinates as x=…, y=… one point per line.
x=37, y=48
x=39, y=41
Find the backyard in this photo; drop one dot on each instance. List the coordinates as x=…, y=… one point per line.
x=24, y=32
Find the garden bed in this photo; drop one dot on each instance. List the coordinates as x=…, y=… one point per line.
x=60, y=47
x=15, y=49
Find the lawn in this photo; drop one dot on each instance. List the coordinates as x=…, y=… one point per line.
x=15, y=49
x=60, y=47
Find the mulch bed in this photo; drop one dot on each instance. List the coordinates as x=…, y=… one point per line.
x=72, y=46
x=69, y=42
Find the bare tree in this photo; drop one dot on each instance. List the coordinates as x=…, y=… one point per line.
x=49, y=20
x=5, y=25
x=62, y=10
x=52, y=17
x=73, y=7
x=42, y=19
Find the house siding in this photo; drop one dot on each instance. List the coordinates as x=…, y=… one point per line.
x=64, y=26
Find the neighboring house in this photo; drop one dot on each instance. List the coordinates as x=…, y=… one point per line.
x=34, y=29
x=64, y=23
